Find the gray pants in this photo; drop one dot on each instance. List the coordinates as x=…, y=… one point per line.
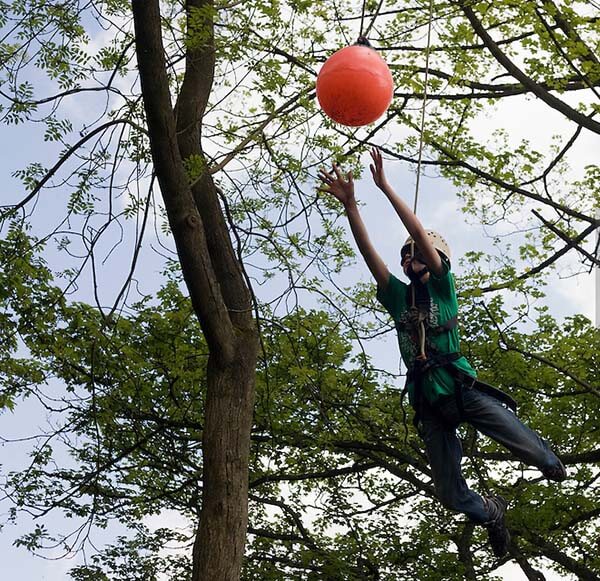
x=490, y=417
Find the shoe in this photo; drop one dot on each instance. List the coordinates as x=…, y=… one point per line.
x=558, y=472
x=498, y=534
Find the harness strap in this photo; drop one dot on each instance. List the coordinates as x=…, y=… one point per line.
x=463, y=381
x=447, y=326
x=417, y=373
x=469, y=382
x=422, y=366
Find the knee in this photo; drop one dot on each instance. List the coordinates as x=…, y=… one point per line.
x=556, y=471
x=449, y=499
x=449, y=503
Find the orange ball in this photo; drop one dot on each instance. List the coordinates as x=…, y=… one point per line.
x=355, y=86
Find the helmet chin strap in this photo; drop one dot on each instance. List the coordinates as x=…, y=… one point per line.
x=416, y=276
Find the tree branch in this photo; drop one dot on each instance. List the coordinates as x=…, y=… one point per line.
x=552, y=259
x=186, y=223
x=63, y=159
x=527, y=81
x=356, y=468
x=566, y=238
x=191, y=105
x=552, y=552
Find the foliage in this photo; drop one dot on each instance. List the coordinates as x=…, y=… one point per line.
x=339, y=488
x=114, y=356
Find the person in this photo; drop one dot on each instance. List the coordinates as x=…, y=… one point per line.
x=443, y=387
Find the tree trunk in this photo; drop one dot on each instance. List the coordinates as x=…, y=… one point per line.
x=218, y=290
x=221, y=536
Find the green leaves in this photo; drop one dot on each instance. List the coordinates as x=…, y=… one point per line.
x=341, y=488
x=137, y=559
x=199, y=28
x=195, y=166
x=337, y=487
x=56, y=129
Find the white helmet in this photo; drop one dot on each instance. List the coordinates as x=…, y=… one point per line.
x=436, y=239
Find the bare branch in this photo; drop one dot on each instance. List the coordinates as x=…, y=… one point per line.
x=54, y=169
x=527, y=81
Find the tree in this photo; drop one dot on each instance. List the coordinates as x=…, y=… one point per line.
x=257, y=132
x=214, y=277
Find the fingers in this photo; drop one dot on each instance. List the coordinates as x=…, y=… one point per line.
x=338, y=173
x=329, y=182
x=377, y=164
x=326, y=177
x=329, y=178
x=336, y=183
x=327, y=187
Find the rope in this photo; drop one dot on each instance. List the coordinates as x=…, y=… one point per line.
x=421, y=327
x=422, y=126
x=362, y=19
x=373, y=18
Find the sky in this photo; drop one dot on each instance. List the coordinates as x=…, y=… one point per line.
x=439, y=210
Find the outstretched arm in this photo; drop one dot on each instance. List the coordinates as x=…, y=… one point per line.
x=343, y=189
x=408, y=217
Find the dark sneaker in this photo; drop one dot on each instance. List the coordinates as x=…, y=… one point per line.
x=558, y=472
x=497, y=532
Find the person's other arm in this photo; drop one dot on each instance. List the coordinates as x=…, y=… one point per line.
x=343, y=189
x=408, y=217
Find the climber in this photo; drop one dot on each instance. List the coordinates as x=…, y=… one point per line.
x=443, y=387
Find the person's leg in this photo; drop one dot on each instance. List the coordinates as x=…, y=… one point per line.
x=444, y=451
x=493, y=419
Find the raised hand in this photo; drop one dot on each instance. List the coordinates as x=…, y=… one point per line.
x=342, y=187
x=377, y=169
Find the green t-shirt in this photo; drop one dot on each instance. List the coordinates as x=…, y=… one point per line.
x=443, y=307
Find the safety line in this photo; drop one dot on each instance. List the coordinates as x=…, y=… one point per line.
x=425, y=91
